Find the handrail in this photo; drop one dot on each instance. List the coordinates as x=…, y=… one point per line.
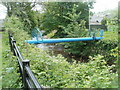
x=20, y=63
x=32, y=77
x=17, y=50
x=28, y=78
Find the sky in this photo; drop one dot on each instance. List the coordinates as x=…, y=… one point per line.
x=100, y=5
x=3, y=11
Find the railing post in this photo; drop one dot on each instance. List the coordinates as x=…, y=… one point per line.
x=13, y=46
x=10, y=42
x=25, y=63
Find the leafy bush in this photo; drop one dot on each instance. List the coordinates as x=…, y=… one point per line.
x=74, y=30
x=83, y=50
x=10, y=75
x=25, y=12
x=56, y=72
x=104, y=22
x=54, y=13
x=0, y=61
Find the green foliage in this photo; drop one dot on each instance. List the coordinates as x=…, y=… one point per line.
x=56, y=72
x=75, y=28
x=84, y=49
x=70, y=19
x=110, y=37
x=55, y=13
x=112, y=25
x=111, y=20
x=109, y=42
x=104, y=22
x=10, y=76
x=24, y=11
x=51, y=34
x=31, y=20
x=14, y=24
x=114, y=52
x=0, y=60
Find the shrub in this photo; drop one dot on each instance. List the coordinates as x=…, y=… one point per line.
x=10, y=76
x=56, y=72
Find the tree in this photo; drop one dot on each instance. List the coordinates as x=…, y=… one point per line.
x=54, y=12
x=23, y=10
x=74, y=29
x=104, y=22
x=110, y=21
x=70, y=19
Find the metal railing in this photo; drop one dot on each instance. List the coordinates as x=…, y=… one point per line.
x=28, y=78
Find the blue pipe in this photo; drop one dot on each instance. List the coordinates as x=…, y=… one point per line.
x=62, y=40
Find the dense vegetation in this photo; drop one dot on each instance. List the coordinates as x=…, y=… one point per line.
x=71, y=20
x=10, y=77
x=24, y=11
x=0, y=62
x=57, y=14
x=100, y=70
x=54, y=71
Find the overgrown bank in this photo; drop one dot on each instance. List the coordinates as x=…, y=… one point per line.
x=0, y=60
x=56, y=72
x=10, y=76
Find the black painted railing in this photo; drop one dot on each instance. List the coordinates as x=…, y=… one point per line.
x=28, y=78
